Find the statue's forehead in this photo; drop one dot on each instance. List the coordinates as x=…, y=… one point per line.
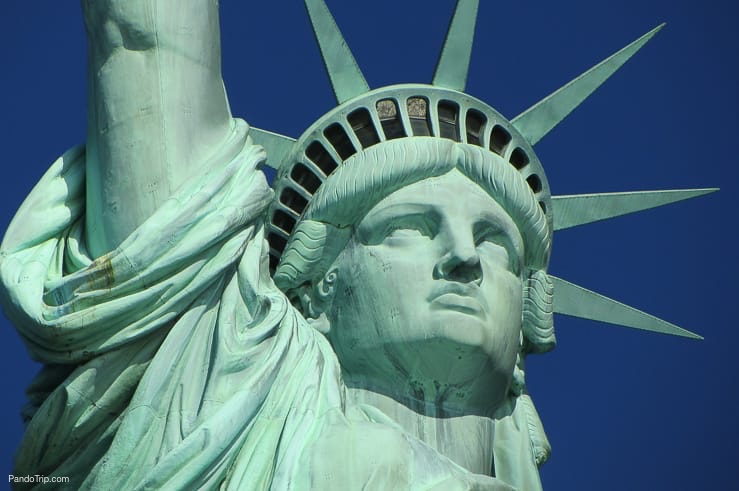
x=436, y=188
x=451, y=196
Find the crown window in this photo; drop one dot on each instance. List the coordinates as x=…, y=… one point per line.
x=290, y=198
x=387, y=110
x=448, y=120
x=320, y=156
x=304, y=177
x=534, y=183
x=361, y=122
x=474, y=122
x=340, y=141
x=418, y=112
x=519, y=159
x=499, y=139
x=283, y=221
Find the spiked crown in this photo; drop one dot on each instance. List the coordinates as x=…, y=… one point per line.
x=386, y=114
x=367, y=117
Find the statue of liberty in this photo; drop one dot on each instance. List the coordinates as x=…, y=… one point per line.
x=364, y=323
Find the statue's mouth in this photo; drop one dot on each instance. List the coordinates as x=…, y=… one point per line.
x=458, y=303
x=459, y=298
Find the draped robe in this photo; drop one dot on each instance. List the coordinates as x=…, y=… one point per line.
x=174, y=361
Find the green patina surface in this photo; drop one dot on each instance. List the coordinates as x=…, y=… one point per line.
x=408, y=230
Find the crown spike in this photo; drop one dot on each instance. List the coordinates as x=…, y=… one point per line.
x=574, y=300
x=346, y=78
x=581, y=209
x=538, y=120
x=277, y=146
x=454, y=61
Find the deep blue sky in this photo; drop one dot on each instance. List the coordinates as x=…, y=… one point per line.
x=623, y=410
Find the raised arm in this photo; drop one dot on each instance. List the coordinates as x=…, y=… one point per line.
x=156, y=107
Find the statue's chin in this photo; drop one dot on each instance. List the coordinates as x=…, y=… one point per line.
x=440, y=376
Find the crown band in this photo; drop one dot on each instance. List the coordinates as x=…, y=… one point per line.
x=386, y=114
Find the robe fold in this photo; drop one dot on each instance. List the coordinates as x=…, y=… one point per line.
x=173, y=360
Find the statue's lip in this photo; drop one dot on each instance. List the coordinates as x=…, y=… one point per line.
x=458, y=297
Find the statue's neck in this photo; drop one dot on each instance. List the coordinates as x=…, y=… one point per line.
x=465, y=439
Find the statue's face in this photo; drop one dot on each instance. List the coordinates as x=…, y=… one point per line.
x=427, y=300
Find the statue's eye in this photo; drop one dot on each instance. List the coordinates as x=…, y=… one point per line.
x=488, y=233
x=398, y=223
x=403, y=232
x=407, y=227
x=495, y=246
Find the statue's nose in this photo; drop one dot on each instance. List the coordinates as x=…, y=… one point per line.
x=461, y=262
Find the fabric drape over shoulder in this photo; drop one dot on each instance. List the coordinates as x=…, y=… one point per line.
x=173, y=361
x=160, y=356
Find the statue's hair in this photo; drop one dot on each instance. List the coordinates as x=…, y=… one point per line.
x=540, y=446
x=538, y=313
x=541, y=449
x=313, y=247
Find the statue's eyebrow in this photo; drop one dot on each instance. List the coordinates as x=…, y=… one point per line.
x=401, y=208
x=390, y=212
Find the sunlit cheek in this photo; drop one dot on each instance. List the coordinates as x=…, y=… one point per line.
x=503, y=291
x=363, y=290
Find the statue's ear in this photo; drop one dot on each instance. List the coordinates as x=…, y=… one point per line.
x=316, y=299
